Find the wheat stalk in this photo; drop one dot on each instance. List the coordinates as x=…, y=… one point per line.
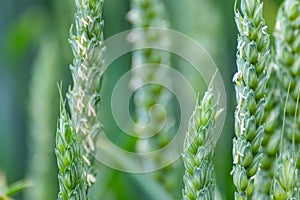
x=145, y=14
x=253, y=58
x=199, y=180
x=88, y=49
x=149, y=13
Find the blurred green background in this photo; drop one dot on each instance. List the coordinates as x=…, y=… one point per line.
x=35, y=55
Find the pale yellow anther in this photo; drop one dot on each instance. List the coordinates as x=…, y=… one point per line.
x=79, y=45
x=83, y=39
x=84, y=130
x=80, y=105
x=91, y=179
x=91, y=20
x=91, y=143
x=82, y=75
x=236, y=159
x=264, y=30
x=83, y=66
x=86, y=160
x=242, y=46
x=242, y=126
x=84, y=122
x=77, y=128
x=81, y=92
x=243, y=96
x=245, y=23
x=240, y=154
x=86, y=148
x=232, y=171
x=84, y=51
x=91, y=110
x=84, y=22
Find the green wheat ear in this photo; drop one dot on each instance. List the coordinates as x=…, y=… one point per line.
x=88, y=49
x=199, y=177
x=285, y=70
x=72, y=173
x=253, y=59
x=287, y=40
x=285, y=185
x=286, y=180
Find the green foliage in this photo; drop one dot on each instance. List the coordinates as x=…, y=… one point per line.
x=253, y=58
x=20, y=37
x=199, y=170
x=43, y=106
x=6, y=192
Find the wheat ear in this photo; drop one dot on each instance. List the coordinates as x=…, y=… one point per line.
x=87, y=45
x=199, y=180
x=72, y=170
x=253, y=58
x=286, y=180
x=287, y=40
